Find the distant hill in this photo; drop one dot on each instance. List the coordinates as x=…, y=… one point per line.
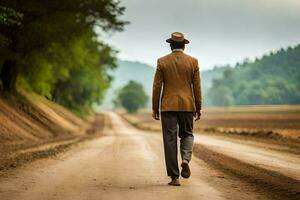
x=143, y=73
x=272, y=79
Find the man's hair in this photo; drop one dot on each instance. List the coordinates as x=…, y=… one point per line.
x=177, y=45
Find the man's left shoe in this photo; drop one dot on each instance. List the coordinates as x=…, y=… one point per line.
x=185, y=172
x=174, y=181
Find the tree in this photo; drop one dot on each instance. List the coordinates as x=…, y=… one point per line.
x=221, y=96
x=45, y=23
x=132, y=96
x=85, y=85
x=8, y=17
x=272, y=79
x=51, y=48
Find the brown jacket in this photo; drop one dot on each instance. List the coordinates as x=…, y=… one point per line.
x=178, y=77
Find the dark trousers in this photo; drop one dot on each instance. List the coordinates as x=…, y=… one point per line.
x=173, y=124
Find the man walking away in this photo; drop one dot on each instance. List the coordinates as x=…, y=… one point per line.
x=177, y=97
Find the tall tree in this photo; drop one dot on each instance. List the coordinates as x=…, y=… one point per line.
x=45, y=23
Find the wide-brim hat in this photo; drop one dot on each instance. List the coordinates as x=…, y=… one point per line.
x=177, y=37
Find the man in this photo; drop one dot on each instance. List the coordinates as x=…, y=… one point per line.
x=177, y=93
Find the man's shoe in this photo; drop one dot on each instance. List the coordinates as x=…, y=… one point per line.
x=185, y=172
x=174, y=182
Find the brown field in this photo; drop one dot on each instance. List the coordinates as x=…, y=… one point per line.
x=271, y=121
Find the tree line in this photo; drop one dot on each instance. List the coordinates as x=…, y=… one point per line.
x=272, y=79
x=53, y=48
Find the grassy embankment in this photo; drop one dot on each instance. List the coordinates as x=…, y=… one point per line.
x=33, y=127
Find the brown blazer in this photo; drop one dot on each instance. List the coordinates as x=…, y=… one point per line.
x=177, y=84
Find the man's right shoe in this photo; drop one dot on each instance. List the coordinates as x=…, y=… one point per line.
x=174, y=181
x=185, y=172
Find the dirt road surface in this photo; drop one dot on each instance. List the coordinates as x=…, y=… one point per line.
x=127, y=163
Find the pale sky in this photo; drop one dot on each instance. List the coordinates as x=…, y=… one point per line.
x=220, y=31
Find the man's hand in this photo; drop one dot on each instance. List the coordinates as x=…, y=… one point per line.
x=197, y=115
x=155, y=115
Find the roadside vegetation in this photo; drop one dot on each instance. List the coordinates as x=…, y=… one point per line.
x=273, y=79
x=54, y=49
x=132, y=97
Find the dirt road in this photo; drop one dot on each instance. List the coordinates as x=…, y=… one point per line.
x=127, y=163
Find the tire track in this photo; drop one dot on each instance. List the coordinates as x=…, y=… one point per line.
x=274, y=184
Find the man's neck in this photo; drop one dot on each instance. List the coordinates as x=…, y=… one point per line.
x=180, y=50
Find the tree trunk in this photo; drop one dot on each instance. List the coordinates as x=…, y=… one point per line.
x=9, y=73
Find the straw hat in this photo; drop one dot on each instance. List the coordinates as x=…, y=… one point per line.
x=177, y=37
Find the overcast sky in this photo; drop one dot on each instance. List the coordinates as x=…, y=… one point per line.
x=220, y=31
